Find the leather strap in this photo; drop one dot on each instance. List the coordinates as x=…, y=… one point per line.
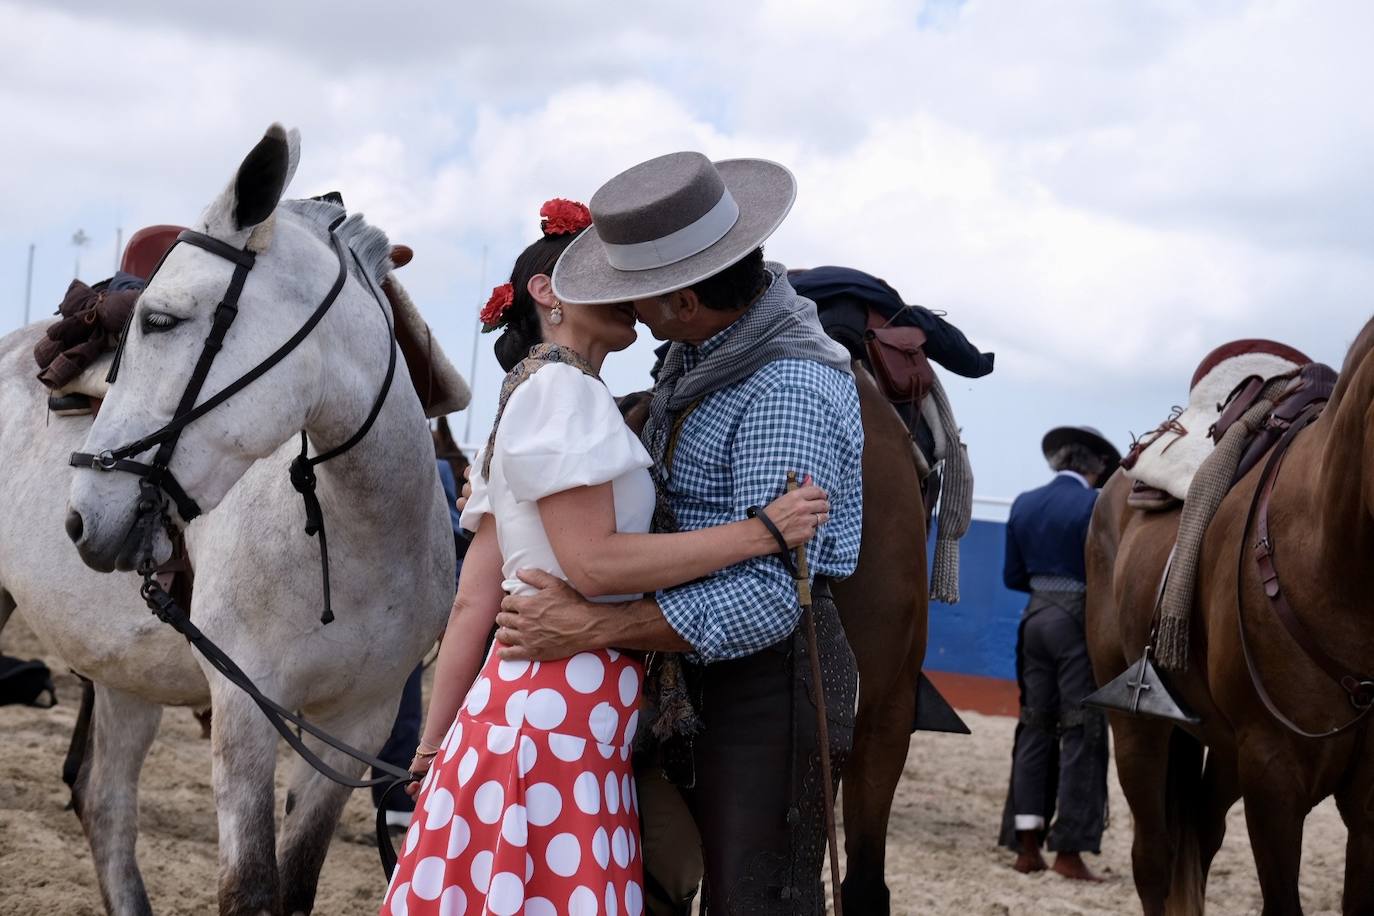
x=784, y=552
x=166, y=609
x=1359, y=689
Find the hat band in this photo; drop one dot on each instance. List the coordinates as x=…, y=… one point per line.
x=691, y=239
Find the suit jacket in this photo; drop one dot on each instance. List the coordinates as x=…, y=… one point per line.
x=1047, y=531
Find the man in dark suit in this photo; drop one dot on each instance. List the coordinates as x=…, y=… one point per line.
x=1060, y=752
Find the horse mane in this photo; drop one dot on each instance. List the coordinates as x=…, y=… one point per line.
x=366, y=241
x=1354, y=358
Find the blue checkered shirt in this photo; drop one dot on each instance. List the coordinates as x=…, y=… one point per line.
x=733, y=452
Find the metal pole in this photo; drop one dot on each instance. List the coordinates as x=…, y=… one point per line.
x=472, y=365
x=28, y=284
x=119, y=245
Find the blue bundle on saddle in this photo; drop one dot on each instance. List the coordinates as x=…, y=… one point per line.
x=844, y=296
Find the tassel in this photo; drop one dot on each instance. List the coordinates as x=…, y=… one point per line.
x=1209, y=487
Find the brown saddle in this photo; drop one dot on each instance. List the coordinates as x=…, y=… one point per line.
x=1309, y=389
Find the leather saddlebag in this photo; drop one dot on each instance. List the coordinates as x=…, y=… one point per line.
x=899, y=360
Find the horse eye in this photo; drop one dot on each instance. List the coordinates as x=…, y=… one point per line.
x=159, y=321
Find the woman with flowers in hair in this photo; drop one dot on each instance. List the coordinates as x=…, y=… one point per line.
x=528, y=803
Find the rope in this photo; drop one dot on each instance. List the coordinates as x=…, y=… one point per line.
x=1209, y=487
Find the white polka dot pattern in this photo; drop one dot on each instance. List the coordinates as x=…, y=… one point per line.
x=515, y=816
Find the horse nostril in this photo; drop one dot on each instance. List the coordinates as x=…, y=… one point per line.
x=74, y=525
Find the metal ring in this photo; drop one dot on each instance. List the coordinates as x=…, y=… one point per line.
x=105, y=461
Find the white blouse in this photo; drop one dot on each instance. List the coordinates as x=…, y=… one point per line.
x=561, y=429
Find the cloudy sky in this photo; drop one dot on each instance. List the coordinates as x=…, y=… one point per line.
x=1098, y=191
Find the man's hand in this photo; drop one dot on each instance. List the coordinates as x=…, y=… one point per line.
x=554, y=622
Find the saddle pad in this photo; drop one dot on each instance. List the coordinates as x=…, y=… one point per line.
x=90, y=382
x=1168, y=457
x=440, y=387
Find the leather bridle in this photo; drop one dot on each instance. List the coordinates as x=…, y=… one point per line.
x=156, y=477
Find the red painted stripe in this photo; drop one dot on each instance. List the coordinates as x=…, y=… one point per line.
x=979, y=693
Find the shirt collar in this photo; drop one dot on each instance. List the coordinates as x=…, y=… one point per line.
x=1076, y=476
x=696, y=354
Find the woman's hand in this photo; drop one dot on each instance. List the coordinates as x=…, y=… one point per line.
x=466, y=493
x=420, y=764
x=798, y=514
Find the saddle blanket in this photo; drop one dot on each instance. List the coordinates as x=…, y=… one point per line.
x=1168, y=457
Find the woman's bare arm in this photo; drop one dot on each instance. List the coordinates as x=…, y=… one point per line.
x=598, y=560
x=465, y=638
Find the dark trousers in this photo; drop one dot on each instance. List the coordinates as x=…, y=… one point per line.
x=757, y=798
x=405, y=738
x=1060, y=757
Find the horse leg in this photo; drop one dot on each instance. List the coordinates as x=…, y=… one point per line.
x=1355, y=800
x=1276, y=805
x=79, y=748
x=882, y=737
x=7, y=606
x=106, y=792
x=1220, y=790
x=314, y=802
x=1142, y=766
x=243, y=744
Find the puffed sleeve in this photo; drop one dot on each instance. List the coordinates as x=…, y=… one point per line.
x=561, y=430
x=479, y=503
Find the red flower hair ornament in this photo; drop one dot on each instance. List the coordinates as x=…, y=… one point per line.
x=564, y=217
x=557, y=217
x=494, y=312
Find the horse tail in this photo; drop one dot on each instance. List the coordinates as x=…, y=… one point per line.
x=1183, y=799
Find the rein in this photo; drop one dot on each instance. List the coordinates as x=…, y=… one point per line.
x=1359, y=689
x=156, y=479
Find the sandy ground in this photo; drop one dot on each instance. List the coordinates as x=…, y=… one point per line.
x=942, y=859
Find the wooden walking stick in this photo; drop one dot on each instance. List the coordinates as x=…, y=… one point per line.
x=803, y=581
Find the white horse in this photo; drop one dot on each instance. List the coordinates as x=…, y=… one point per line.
x=258, y=590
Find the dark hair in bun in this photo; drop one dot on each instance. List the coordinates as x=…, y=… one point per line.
x=521, y=329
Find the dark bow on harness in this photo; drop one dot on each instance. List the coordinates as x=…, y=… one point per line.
x=156, y=479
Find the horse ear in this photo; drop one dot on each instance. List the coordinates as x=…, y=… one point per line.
x=258, y=185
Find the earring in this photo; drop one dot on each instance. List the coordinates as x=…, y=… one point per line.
x=556, y=315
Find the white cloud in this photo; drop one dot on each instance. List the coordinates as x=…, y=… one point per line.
x=1100, y=192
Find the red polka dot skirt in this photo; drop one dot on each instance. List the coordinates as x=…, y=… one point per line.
x=530, y=806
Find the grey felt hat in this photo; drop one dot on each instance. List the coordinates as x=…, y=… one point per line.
x=668, y=223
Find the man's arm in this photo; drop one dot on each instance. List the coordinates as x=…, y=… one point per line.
x=556, y=622
x=753, y=605
x=1014, y=574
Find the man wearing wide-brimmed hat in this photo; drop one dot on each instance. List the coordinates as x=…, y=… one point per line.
x=1060, y=751
x=750, y=389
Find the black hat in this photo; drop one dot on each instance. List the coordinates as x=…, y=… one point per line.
x=1086, y=436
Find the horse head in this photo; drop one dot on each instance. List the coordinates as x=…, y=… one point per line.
x=257, y=275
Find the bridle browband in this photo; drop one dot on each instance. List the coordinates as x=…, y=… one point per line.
x=156, y=477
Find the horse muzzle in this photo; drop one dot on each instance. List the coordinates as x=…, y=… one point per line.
x=133, y=540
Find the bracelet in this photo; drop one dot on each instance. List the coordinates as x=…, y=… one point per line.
x=430, y=749
x=426, y=755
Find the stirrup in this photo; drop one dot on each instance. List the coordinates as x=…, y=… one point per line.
x=933, y=712
x=1141, y=691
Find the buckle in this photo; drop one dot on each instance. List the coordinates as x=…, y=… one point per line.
x=105, y=461
x=1361, y=692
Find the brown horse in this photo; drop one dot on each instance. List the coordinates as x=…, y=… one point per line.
x=883, y=607
x=1322, y=526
